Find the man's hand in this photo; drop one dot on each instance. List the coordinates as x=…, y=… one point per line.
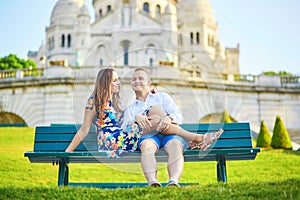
x=144, y=122
x=164, y=124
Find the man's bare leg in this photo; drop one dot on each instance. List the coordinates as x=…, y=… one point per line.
x=175, y=163
x=148, y=160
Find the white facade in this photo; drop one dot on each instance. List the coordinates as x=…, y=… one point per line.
x=148, y=33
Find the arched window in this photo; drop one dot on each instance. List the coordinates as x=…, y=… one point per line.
x=192, y=38
x=100, y=13
x=158, y=11
x=212, y=41
x=52, y=42
x=151, y=62
x=69, y=40
x=63, y=40
x=49, y=43
x=150, y=49
x=126, y=56
x=208, y=40
x=198, y=38
x=108, y=8
x=150, y=55
x=180, y=39
x=101, y=54
x=146, y=7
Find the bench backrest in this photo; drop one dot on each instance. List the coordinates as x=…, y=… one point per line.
x=57, y=137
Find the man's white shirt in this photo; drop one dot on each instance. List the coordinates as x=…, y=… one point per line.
x=161, y=99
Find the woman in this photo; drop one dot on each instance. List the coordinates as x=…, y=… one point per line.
x=104, y=111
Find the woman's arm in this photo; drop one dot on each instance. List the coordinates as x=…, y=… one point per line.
x=83, y=131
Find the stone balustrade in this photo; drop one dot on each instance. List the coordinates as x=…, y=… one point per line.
x=231, y=79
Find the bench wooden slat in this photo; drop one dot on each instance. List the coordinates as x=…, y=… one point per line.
x=96, y=157
x=67, y=137
x=53, y=137
x=62, y=146
x=137, y=153
x=216, y=127
x=91, y=145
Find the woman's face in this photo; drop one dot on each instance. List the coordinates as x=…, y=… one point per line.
x=115, y=83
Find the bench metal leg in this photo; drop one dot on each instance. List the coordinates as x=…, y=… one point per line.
x=221, y=168
x=63, y=173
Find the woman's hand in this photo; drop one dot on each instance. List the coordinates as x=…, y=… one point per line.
x=144, y=122
x=164, y=124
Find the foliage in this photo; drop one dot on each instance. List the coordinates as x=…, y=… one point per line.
x=264, y=137
x=226, y=117
x=11, y=62
x=281, y=138
x=280, y=73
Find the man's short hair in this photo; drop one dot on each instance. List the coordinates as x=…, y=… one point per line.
x=143, y=69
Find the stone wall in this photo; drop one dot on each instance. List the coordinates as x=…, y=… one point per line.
x=61, y=97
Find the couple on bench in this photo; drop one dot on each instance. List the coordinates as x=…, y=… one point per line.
x=148, y=124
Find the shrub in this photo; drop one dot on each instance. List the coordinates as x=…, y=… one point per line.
x=281, y=138
x=264, y=137
x=226, y=117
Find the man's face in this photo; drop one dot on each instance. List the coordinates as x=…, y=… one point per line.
x=140, y=81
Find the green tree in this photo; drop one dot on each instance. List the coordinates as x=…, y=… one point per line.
x=11, y=62
x=226, y=117
x=264, y=137
x=280, y=138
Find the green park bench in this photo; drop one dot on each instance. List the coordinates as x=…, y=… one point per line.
x=51, y=141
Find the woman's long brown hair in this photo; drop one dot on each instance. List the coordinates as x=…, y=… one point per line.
x=102, y=90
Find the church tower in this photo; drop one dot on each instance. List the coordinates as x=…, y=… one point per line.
x=82, y=36
x=61, y=34
x=199, y=40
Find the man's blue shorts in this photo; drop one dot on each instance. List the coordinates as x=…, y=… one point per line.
x=162, y=140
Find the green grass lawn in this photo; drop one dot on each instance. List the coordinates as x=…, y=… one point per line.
x=274, y=174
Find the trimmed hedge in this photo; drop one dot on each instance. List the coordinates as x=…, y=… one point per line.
x=281, y=138
x=226, y=117
x=264, y=137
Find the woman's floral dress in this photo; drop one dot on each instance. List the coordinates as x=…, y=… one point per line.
x=111, y=138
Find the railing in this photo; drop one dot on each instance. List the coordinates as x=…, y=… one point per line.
x=244, y=78
x=19, y=74
x=33, y=72
x=236, y=79
x=5, y=74
x=290, y=80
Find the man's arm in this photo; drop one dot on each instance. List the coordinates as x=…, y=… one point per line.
x=171, y=108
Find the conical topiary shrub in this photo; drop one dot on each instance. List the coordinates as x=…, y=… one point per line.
x=226, y=117
x=281, y=138
x=264, y=137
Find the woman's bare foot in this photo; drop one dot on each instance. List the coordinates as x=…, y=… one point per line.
x=205, y=140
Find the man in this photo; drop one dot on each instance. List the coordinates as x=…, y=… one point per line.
x=152, y=141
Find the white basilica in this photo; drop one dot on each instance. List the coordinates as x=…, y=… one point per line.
x=148, y=33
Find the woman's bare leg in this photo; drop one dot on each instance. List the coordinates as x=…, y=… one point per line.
x=157, y=113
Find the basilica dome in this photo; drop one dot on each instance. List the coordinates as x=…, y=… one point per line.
x=195, y=11
x=65, y=11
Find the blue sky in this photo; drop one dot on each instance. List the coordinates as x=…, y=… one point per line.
x=268, y=31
